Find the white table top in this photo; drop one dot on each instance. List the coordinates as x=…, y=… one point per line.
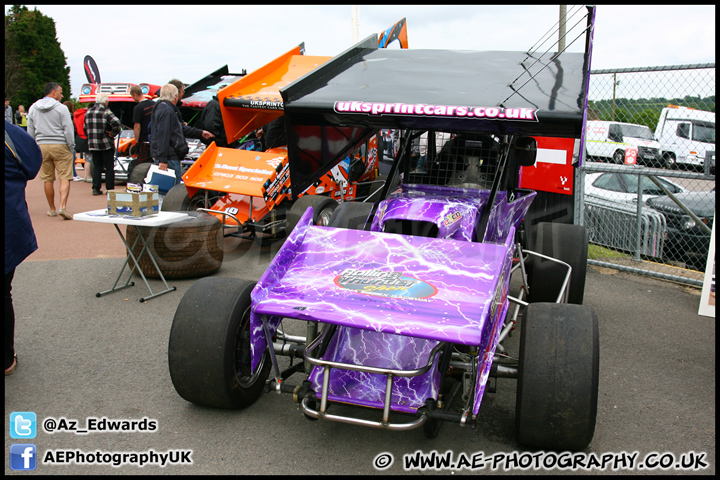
x=155, y=220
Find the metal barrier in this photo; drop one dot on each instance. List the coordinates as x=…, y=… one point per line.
x=648, y=230
x=652, y=214
x=642, y=234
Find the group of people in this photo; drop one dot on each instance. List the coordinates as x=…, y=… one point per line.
x=168, y=144
x=18, y=118
x=43, y=143
x=63, y=133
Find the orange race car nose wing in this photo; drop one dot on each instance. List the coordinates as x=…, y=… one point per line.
x=245, y=172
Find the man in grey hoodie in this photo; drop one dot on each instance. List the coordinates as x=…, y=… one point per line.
x=50, y=125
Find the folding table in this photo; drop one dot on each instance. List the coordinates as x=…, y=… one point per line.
x=150, y=221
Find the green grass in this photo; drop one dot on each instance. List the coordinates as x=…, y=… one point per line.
x=596, y=252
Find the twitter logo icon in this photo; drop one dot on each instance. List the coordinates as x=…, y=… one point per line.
x=23, y=425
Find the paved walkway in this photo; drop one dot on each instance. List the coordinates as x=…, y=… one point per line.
x=60, y=239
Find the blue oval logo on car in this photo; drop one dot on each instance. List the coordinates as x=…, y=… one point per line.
x=385, y=284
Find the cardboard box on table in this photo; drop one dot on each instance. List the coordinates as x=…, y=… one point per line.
x=121, y=202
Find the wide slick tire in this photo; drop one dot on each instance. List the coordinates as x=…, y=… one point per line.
x=564, y=242
x=557, y=390
x=188, y=249
x=139, y=173
x=351, y=215
x=322, y=206
x=209, y=345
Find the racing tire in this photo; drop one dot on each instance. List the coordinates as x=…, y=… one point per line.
x=209, y=345
x=557, y=389
x=139, y=173
x=178, y=200
x=351, y=215
x=568, y=243
x=619, y=157
x=187, y=249
x=323, y=208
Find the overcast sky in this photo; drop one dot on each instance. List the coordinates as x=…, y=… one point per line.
x=153, y=44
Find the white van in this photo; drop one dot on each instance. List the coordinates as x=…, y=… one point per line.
x=685, y=135
x=608, y=141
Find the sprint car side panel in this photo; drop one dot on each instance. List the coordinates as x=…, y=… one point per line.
x=491, y=332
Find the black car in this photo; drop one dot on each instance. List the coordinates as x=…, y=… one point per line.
x=687, y=241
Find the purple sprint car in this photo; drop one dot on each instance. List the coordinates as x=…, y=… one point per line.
x=405, y=302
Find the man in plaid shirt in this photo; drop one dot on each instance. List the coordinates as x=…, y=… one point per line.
x=101, y=126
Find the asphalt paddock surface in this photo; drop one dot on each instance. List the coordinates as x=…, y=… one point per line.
x=83, y=357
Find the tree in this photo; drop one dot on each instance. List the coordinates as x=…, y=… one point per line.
x=33, y=56
x=647, y=117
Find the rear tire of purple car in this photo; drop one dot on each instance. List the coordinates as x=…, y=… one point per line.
x=209, y=346
x=558, y=372
x=564, y=242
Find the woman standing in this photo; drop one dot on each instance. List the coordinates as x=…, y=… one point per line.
x=21, y=117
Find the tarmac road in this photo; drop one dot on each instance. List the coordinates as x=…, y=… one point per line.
x=83, y=356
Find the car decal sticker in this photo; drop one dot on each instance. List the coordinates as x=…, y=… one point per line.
x=376, y=108
x=385, y=284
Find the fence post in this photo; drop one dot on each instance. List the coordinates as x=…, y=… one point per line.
x=638, y=221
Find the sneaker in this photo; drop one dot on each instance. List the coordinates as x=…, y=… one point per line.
x=97, y=192
x=77, y=179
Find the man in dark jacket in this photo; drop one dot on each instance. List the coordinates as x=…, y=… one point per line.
x=141, y=120
x=101, y=126
x=188, y=131
x=167, y=142
x=22, y=163
x=211, y=120
x=274, y=134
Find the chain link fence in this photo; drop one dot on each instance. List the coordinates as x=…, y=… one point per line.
x=649, y=170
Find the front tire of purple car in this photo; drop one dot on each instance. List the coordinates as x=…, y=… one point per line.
x=209, y=346
x=558, y=372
